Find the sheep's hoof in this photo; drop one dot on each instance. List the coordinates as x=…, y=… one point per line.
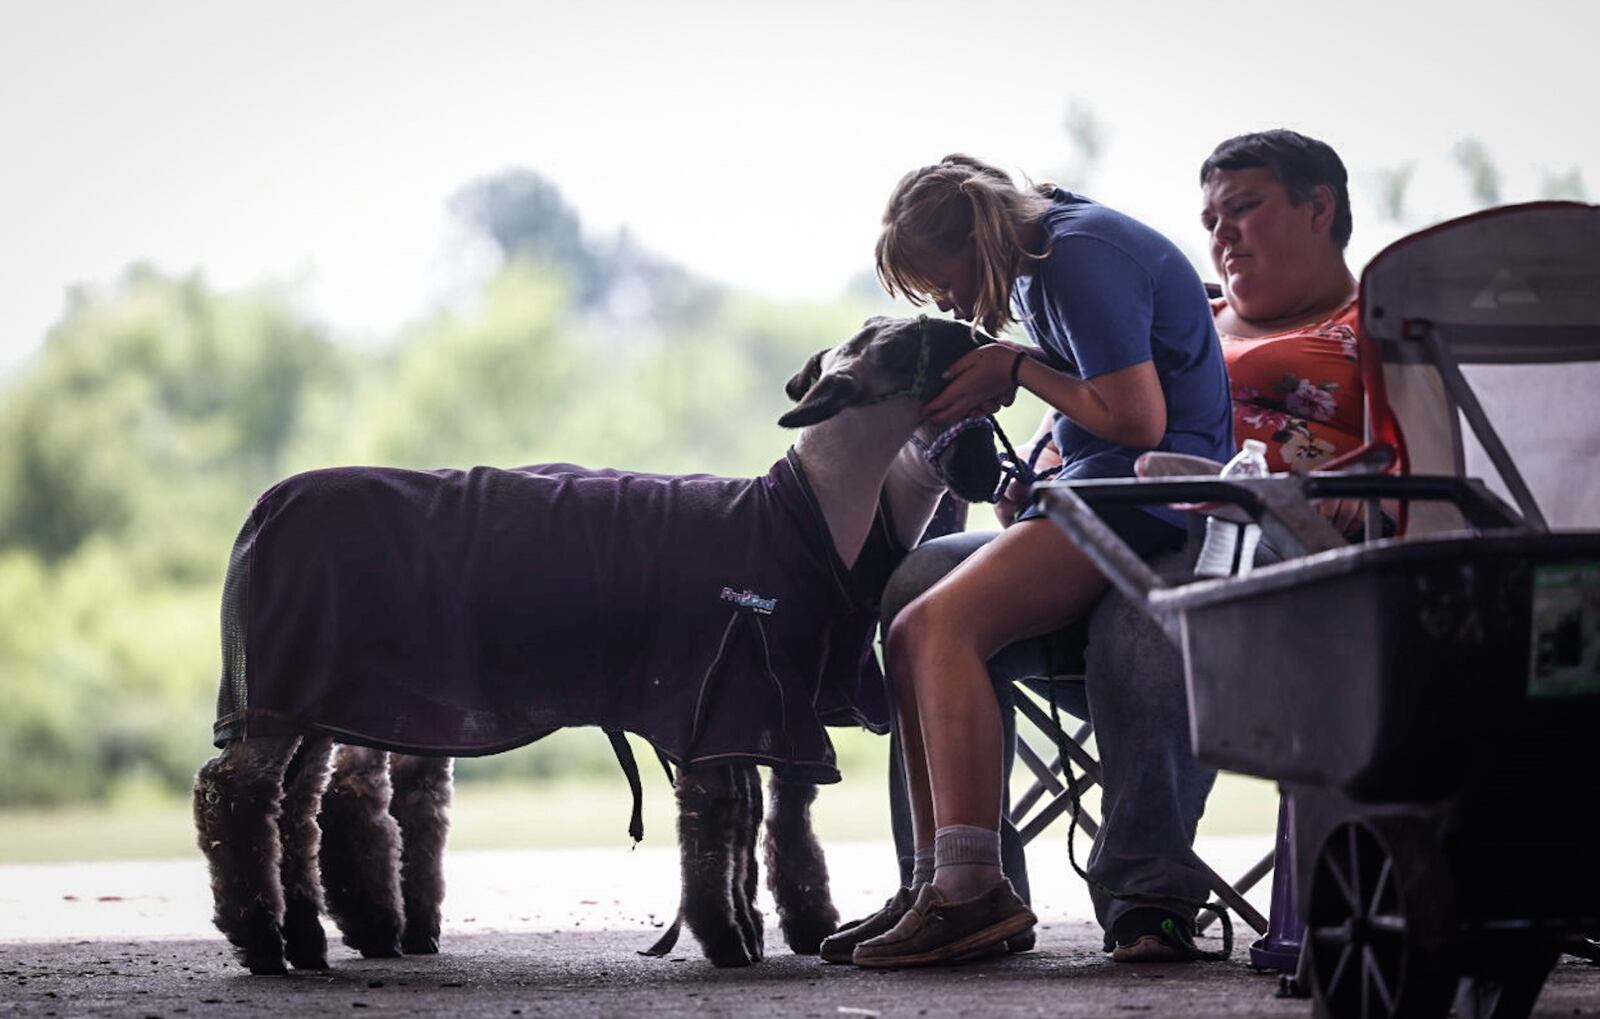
x=806, y=942
x=261, y=948
x=305, y=944
x=420, y=942
x=804, y=935
x=390, y=951
x=728, y=955
x=375, y=941
x=267, y=967
x=265, y=959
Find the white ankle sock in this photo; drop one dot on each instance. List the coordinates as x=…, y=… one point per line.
x=922, y=868
x=966, y=861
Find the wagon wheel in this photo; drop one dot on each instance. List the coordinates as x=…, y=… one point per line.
x=1381, y=929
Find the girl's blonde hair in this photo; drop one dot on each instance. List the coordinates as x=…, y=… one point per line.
x=936, y=209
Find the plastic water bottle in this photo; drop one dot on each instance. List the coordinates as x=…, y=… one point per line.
x=1230, y=548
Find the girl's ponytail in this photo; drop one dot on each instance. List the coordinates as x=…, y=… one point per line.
x=937, y=209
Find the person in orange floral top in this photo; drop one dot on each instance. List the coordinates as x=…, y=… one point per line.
x=1278, y=212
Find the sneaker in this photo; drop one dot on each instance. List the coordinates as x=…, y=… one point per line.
x=840, y=946
x=1147, y=934
x=937, y=930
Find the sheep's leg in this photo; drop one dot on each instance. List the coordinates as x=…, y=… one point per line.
x=746, y=872
x=361, y=853
x=237, y=796
x=705, y=847
x=421, y=806
x=797, y=873
x=303, y=783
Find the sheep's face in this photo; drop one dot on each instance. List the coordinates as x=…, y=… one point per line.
x=897, y=358
x=889, y=358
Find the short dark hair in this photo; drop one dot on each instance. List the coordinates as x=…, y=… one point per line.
x=1299, y=163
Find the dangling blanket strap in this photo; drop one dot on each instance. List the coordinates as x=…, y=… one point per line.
x=667, y=940
x=630, y=769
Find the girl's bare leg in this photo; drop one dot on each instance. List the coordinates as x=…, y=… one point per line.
x=1031, y=579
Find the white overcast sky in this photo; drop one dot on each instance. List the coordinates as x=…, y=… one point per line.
x=314, y=143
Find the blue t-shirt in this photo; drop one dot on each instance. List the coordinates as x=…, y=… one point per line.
x=1113, y=293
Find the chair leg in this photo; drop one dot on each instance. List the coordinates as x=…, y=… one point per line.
x=1248, y=880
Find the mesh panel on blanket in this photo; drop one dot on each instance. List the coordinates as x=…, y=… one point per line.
x=234, y=694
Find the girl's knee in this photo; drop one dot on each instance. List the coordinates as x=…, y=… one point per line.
x=923, y=632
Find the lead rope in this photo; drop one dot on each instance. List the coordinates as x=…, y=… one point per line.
x=1012, y=466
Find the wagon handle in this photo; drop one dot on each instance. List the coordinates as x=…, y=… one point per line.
x=1280, y=504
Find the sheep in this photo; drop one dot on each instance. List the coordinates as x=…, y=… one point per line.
x=415, y=616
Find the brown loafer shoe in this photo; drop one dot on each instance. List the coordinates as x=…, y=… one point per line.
x=841, y=944
x=936, y=930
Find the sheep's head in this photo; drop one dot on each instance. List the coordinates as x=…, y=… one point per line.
x=897, y=358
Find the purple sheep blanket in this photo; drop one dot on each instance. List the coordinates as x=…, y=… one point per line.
x=468, y=612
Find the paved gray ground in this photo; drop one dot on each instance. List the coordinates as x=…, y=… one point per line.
x=557, y=933
x=598, y=973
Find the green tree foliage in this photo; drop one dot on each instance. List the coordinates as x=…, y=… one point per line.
x=129, y=451
x=147, y=398
x=1392, y=184
x=527, y=219
x=1087, y=135
x=1567, y=185
x=485, y=386
x=1483, y=177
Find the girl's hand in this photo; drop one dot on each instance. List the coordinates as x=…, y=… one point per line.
x=978, y=381
x=1016, y=495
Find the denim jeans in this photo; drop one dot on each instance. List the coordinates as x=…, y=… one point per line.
x=1133, y=689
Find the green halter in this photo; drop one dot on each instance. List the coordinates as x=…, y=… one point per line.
x=920, y=378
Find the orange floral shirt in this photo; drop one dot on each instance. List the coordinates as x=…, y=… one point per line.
x=1298, y=391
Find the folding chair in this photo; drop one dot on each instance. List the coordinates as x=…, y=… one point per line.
x=1048, y=798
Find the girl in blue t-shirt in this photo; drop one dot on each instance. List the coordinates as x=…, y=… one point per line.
x=1129, y=359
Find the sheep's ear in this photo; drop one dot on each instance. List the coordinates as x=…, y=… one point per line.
x=830, y=395
x=802, y=380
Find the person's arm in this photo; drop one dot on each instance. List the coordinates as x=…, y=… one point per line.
x=1103, y=302
x=1125, y=406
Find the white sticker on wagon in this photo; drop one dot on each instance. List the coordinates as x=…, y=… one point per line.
x=1564, y=653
